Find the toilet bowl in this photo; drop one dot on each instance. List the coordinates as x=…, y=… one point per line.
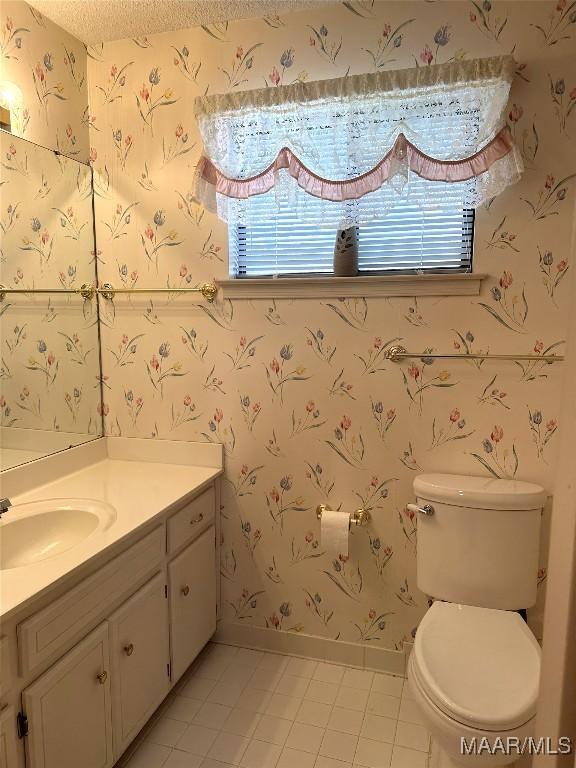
x=475, y=667
x=474, y=673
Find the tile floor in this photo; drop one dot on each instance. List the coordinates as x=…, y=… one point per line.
x=246, y=708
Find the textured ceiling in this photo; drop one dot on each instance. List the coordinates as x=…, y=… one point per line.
x=96, y=21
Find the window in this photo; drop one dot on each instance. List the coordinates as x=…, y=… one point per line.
x=403, y=156
x=409, y=239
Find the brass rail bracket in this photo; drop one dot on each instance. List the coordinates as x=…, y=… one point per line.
x=87, y=291
x=209, y=291
x=395, y=353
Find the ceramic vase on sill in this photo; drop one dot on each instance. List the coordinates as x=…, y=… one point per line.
x=346, y=253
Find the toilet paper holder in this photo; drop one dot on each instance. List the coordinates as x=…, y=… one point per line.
x=360, y=517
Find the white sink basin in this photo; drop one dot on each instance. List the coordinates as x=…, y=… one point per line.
x=40, y=530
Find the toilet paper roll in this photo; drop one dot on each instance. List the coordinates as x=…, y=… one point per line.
x=334, y=532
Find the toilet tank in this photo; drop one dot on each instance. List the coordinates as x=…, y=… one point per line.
x=480, y=545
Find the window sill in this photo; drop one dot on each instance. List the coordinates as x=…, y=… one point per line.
x=344, y=287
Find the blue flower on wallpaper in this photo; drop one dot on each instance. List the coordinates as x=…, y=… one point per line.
x=42, y=346
x=287, y=58
x=154, y=76
x=164, y=349
x=442, y=36
x=159, y=218
x=48, y=63
x=286, y=352
x=36, y=224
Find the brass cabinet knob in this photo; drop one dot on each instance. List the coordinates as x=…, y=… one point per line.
x=102, y=677
x=185, y=590
x=197, y=519
x=129, y=649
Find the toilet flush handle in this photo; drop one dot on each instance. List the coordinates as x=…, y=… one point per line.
x=426, y=509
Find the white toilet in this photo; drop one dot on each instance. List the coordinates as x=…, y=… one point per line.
x=475, y=667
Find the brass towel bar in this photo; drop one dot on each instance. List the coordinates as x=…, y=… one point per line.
x=397, y=353
x=87, y=291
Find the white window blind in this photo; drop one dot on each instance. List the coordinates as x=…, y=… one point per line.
x=412, y=237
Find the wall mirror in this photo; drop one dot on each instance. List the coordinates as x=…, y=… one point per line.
x=50, y=374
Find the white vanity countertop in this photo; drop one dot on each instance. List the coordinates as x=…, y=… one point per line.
x=140, y=491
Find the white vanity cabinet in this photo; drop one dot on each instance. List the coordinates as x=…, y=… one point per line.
x=140, y=659
x=192, y=601
x=69, y=709
x=96, y=660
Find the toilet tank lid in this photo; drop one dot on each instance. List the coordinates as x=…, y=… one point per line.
x=479, y=492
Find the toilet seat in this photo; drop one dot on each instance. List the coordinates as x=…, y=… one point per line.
x=479, y=666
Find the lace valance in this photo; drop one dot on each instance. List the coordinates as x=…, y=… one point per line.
x=345, y=151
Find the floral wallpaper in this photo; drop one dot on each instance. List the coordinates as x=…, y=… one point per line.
x=49, y=357
x=299, y=391
x=48, y=65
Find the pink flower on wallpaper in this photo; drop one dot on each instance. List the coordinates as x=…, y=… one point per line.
x=538, y=346
x=426, y=55
x=497, y=434
x=346, y=423
x=275, y=76
x=515, y=113
x=506, y=280
x=454, y=415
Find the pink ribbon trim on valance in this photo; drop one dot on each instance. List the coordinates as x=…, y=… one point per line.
x=402, y=154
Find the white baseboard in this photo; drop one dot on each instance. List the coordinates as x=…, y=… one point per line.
x=297, y=644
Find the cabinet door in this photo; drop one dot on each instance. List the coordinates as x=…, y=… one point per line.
x=140, y=654
x=69, y=709
x=8, y=755
x=192, y=577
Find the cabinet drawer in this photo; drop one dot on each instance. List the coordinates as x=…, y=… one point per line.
x=188, y=522
x=58, y=626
